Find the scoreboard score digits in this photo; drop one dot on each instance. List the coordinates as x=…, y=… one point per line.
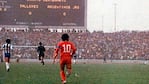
x=42, y=12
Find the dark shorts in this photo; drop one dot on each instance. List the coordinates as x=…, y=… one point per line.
x=7, y=55
x=41, y=55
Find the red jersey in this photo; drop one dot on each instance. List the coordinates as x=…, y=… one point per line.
x=67, y=49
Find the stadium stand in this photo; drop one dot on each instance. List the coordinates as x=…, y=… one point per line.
x=96, y=45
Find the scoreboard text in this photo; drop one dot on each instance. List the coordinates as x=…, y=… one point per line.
x=42, y=12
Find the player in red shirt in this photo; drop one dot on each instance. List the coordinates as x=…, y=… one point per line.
x=67, y=49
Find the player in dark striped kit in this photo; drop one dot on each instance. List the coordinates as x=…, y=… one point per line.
x=7, y=47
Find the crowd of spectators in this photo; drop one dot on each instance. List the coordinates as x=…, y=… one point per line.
x=96, y=45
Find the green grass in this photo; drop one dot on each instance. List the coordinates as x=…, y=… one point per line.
x=35, y=73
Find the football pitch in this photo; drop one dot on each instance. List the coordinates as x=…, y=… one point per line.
x=35, y=73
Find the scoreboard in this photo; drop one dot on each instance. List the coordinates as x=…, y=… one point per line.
x=43, y=12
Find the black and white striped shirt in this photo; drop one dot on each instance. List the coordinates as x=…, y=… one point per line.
x=7, y=48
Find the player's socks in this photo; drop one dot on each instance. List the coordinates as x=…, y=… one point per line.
x=63, y=77
x=7, y=66
x=63, y=82
x=8, y=70
x=42, y=62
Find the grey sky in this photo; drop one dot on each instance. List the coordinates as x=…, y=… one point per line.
x=130, y=15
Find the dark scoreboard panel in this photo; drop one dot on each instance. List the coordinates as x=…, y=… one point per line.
x=42, y=12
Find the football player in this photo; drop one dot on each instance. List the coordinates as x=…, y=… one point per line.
x=41, y=50
x=67, y=49
x=7, y=53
